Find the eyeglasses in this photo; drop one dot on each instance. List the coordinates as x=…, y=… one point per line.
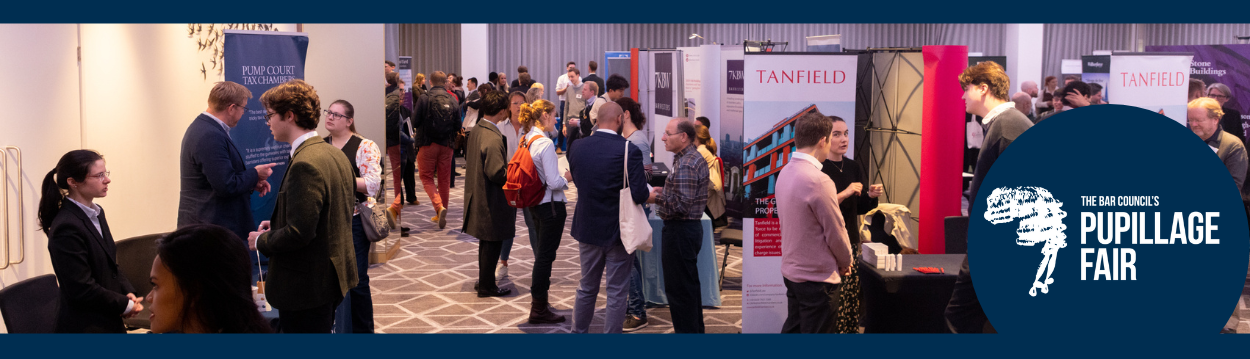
x=101, y=175
x=241, y=107
x=335, y=115
x=268, y=115
x=1217, y=96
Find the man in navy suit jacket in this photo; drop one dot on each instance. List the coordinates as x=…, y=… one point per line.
x=598, y=170
x=216, y=185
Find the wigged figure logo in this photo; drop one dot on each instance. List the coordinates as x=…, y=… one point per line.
x=1041, y=220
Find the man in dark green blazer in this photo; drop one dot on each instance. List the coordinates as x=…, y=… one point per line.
x=312, y=263
x=487, y=215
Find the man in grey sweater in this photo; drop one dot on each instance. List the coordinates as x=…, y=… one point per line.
x=985, y=94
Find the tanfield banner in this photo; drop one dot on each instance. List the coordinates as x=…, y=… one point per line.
x=780, y=88
x=260, y=60
x=1158, y=82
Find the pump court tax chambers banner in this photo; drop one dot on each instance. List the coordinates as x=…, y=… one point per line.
x=260, y=60
x=780, y=88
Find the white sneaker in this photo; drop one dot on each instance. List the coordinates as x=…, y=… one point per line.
x=501, y=272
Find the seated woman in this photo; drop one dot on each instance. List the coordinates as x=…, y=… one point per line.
x=95, y=297
x=202, y=283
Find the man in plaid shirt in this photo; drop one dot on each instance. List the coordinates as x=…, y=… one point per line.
x=681, y=203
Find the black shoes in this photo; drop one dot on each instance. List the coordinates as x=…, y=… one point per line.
x=498, y=292
x=403, y=231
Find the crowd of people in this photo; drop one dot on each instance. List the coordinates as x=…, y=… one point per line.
x=317, y=246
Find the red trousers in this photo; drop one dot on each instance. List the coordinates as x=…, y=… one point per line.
x=431, y=160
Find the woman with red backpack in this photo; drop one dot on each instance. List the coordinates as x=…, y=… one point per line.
x=550, y=213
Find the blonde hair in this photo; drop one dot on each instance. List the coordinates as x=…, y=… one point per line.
x=1212, y=106
x=705, y=137
x=227, y=93
x=536, y=85
x=532, y=114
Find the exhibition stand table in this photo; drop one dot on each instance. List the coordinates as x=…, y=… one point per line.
x=653, y=268
x=908, y=301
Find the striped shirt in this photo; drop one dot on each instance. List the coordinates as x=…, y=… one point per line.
x=685, y=190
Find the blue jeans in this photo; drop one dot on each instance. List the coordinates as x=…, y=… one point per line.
x=637, y=305
x=355, y=314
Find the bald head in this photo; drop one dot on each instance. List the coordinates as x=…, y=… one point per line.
x=1029, y=87
x=1023, y=102
x=610, y=116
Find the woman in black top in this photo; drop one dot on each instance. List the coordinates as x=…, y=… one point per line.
x=853, y=201
x=95, y=297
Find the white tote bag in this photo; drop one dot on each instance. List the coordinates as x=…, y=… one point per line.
x=635, y=229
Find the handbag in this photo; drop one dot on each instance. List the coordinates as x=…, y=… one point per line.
x=635, y=229
x=377, y=224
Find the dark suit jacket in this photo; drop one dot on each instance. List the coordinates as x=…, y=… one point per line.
x=216, y=184
x=598, y=171
x=598, y=81
x=93, y=290
x=311, y=257
x=487, y=215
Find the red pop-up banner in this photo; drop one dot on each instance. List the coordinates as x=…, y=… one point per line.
x=941, y=143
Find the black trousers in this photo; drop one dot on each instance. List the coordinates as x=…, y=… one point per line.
x=679, y=252
x=549, y=220
x=964, y=313
x=319, y=319
x=812, y=307
x=487, y=259
x=408, y=171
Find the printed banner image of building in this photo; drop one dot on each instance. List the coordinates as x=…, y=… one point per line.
x=763, y=158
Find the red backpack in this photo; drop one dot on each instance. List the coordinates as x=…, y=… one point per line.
x=524, y=187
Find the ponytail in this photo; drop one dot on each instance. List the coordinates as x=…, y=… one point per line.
x=532, y=113
x=50, y=202
x=74, y=164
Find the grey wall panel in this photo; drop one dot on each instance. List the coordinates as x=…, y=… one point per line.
x=433, y=47
x=983, y=38
x=1193, y=34
x=1070, y=41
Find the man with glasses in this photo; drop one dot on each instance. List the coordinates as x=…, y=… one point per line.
x=1231, y=122
x=680, y=204
x=216, y=184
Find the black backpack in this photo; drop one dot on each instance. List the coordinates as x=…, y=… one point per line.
x=443, y=116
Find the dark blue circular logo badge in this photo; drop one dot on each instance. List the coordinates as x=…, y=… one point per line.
x=1108, y=219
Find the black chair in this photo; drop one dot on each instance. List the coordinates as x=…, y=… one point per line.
x=31, y=306
x=134, y=257
x=728, y=237
x=956, y=235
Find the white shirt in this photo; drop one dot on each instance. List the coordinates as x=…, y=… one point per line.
x=563, y=83
x=299, y=141
x=223, y=124
x=994, y=112
x=548, y=166
x=806, y=157
x=93, y=213
x=510, y=136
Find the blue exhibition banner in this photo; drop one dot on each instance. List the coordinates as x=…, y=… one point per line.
x=260, y=60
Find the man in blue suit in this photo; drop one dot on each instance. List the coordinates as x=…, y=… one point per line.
x=598, y=170
x=216, y=184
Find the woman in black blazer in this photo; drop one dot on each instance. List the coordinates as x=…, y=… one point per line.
x=95, y=296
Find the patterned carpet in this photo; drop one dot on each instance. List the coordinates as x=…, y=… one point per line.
x=428, y=286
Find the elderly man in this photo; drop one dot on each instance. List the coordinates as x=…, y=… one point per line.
x=681, y=202
x=1204, y=119
x=598, y=169
x=1028, y=88
x=815, y=248
x=1231, y=122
